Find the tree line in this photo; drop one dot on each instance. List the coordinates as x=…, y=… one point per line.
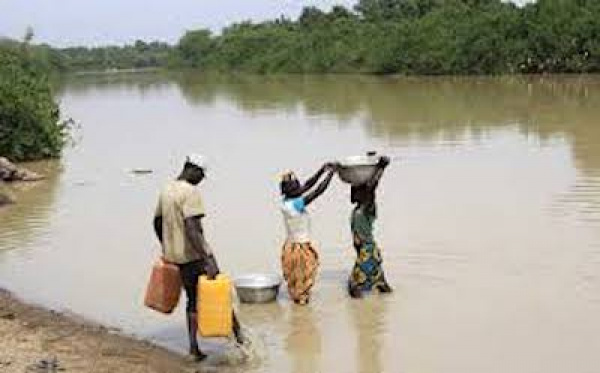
x=427, y=37
x=409, y=37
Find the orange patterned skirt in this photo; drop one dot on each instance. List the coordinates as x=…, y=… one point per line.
x=299, y=262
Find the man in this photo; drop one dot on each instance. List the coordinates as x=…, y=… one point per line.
x=178, y=226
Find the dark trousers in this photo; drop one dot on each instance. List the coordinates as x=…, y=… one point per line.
x=190, y=273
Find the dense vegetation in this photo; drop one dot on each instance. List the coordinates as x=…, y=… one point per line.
x=140, y=55
x=410, y=37
x=30, y=123
x=377, y=36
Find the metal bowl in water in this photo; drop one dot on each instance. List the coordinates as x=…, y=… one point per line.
x=257, y=288
x=359, y=169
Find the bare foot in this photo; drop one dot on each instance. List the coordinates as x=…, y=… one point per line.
x=239, y=336
x=301, y=302
x=385, y=288
x=197, y=355
x=355, y=293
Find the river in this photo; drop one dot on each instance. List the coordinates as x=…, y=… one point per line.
x=489, y=215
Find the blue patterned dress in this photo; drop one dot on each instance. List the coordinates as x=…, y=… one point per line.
x=367, y=271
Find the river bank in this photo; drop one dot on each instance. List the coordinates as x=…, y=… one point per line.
x=39, y=340
x=9, y=173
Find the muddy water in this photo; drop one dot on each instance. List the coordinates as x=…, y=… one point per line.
x=489, y=217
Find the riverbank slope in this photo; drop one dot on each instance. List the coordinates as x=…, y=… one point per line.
x=38, y=340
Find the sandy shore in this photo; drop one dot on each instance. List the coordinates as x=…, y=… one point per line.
x=33, y=339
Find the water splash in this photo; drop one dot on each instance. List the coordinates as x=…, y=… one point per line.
x=251, y=352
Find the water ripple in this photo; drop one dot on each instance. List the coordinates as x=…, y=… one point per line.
x=582, y=201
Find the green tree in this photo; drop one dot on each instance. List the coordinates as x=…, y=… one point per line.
x=30, y=123
x=194, y=47
x=377, y=36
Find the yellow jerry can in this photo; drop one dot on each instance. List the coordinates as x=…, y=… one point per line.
x=215, y=308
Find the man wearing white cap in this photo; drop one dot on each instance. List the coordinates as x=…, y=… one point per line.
x=178, y=226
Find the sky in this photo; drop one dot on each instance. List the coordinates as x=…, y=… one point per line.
x=98, y=22
x=101, y=22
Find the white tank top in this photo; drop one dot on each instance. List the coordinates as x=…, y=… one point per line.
x=296, y=219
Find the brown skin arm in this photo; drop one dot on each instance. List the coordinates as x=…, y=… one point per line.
x=320, y=189
x=313, y=180
x=374, y=182
x=158, y=228
x=195, y=232
x=383, y=163
x=195, y=235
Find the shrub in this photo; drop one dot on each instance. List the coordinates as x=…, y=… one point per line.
x=30, y=123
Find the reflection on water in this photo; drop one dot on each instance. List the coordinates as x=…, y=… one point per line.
x=303, y=342
x=369, y=318
x=425, y=108
x=489, y=215
x=403, y=107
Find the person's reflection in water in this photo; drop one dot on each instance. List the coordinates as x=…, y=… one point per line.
x=303, y=342
x=369, y=319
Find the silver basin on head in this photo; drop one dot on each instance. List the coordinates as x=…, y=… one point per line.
x=359, y=169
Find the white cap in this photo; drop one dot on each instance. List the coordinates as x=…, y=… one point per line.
x=197, y=160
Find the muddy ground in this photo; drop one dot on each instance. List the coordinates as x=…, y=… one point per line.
x=33, y=339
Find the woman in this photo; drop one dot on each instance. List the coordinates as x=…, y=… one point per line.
x=300, y=259
x=367, y=272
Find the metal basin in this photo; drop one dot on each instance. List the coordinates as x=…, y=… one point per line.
x=358, y=170
x=257, y=288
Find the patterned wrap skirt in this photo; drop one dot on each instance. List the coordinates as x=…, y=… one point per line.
x=367, y=271
x=300, y=263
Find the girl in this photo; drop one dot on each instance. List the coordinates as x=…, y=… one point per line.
x=300, y=259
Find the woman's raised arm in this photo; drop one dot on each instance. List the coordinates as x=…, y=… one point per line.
x=320, y=189
x=383, y=163
x=313, y=179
